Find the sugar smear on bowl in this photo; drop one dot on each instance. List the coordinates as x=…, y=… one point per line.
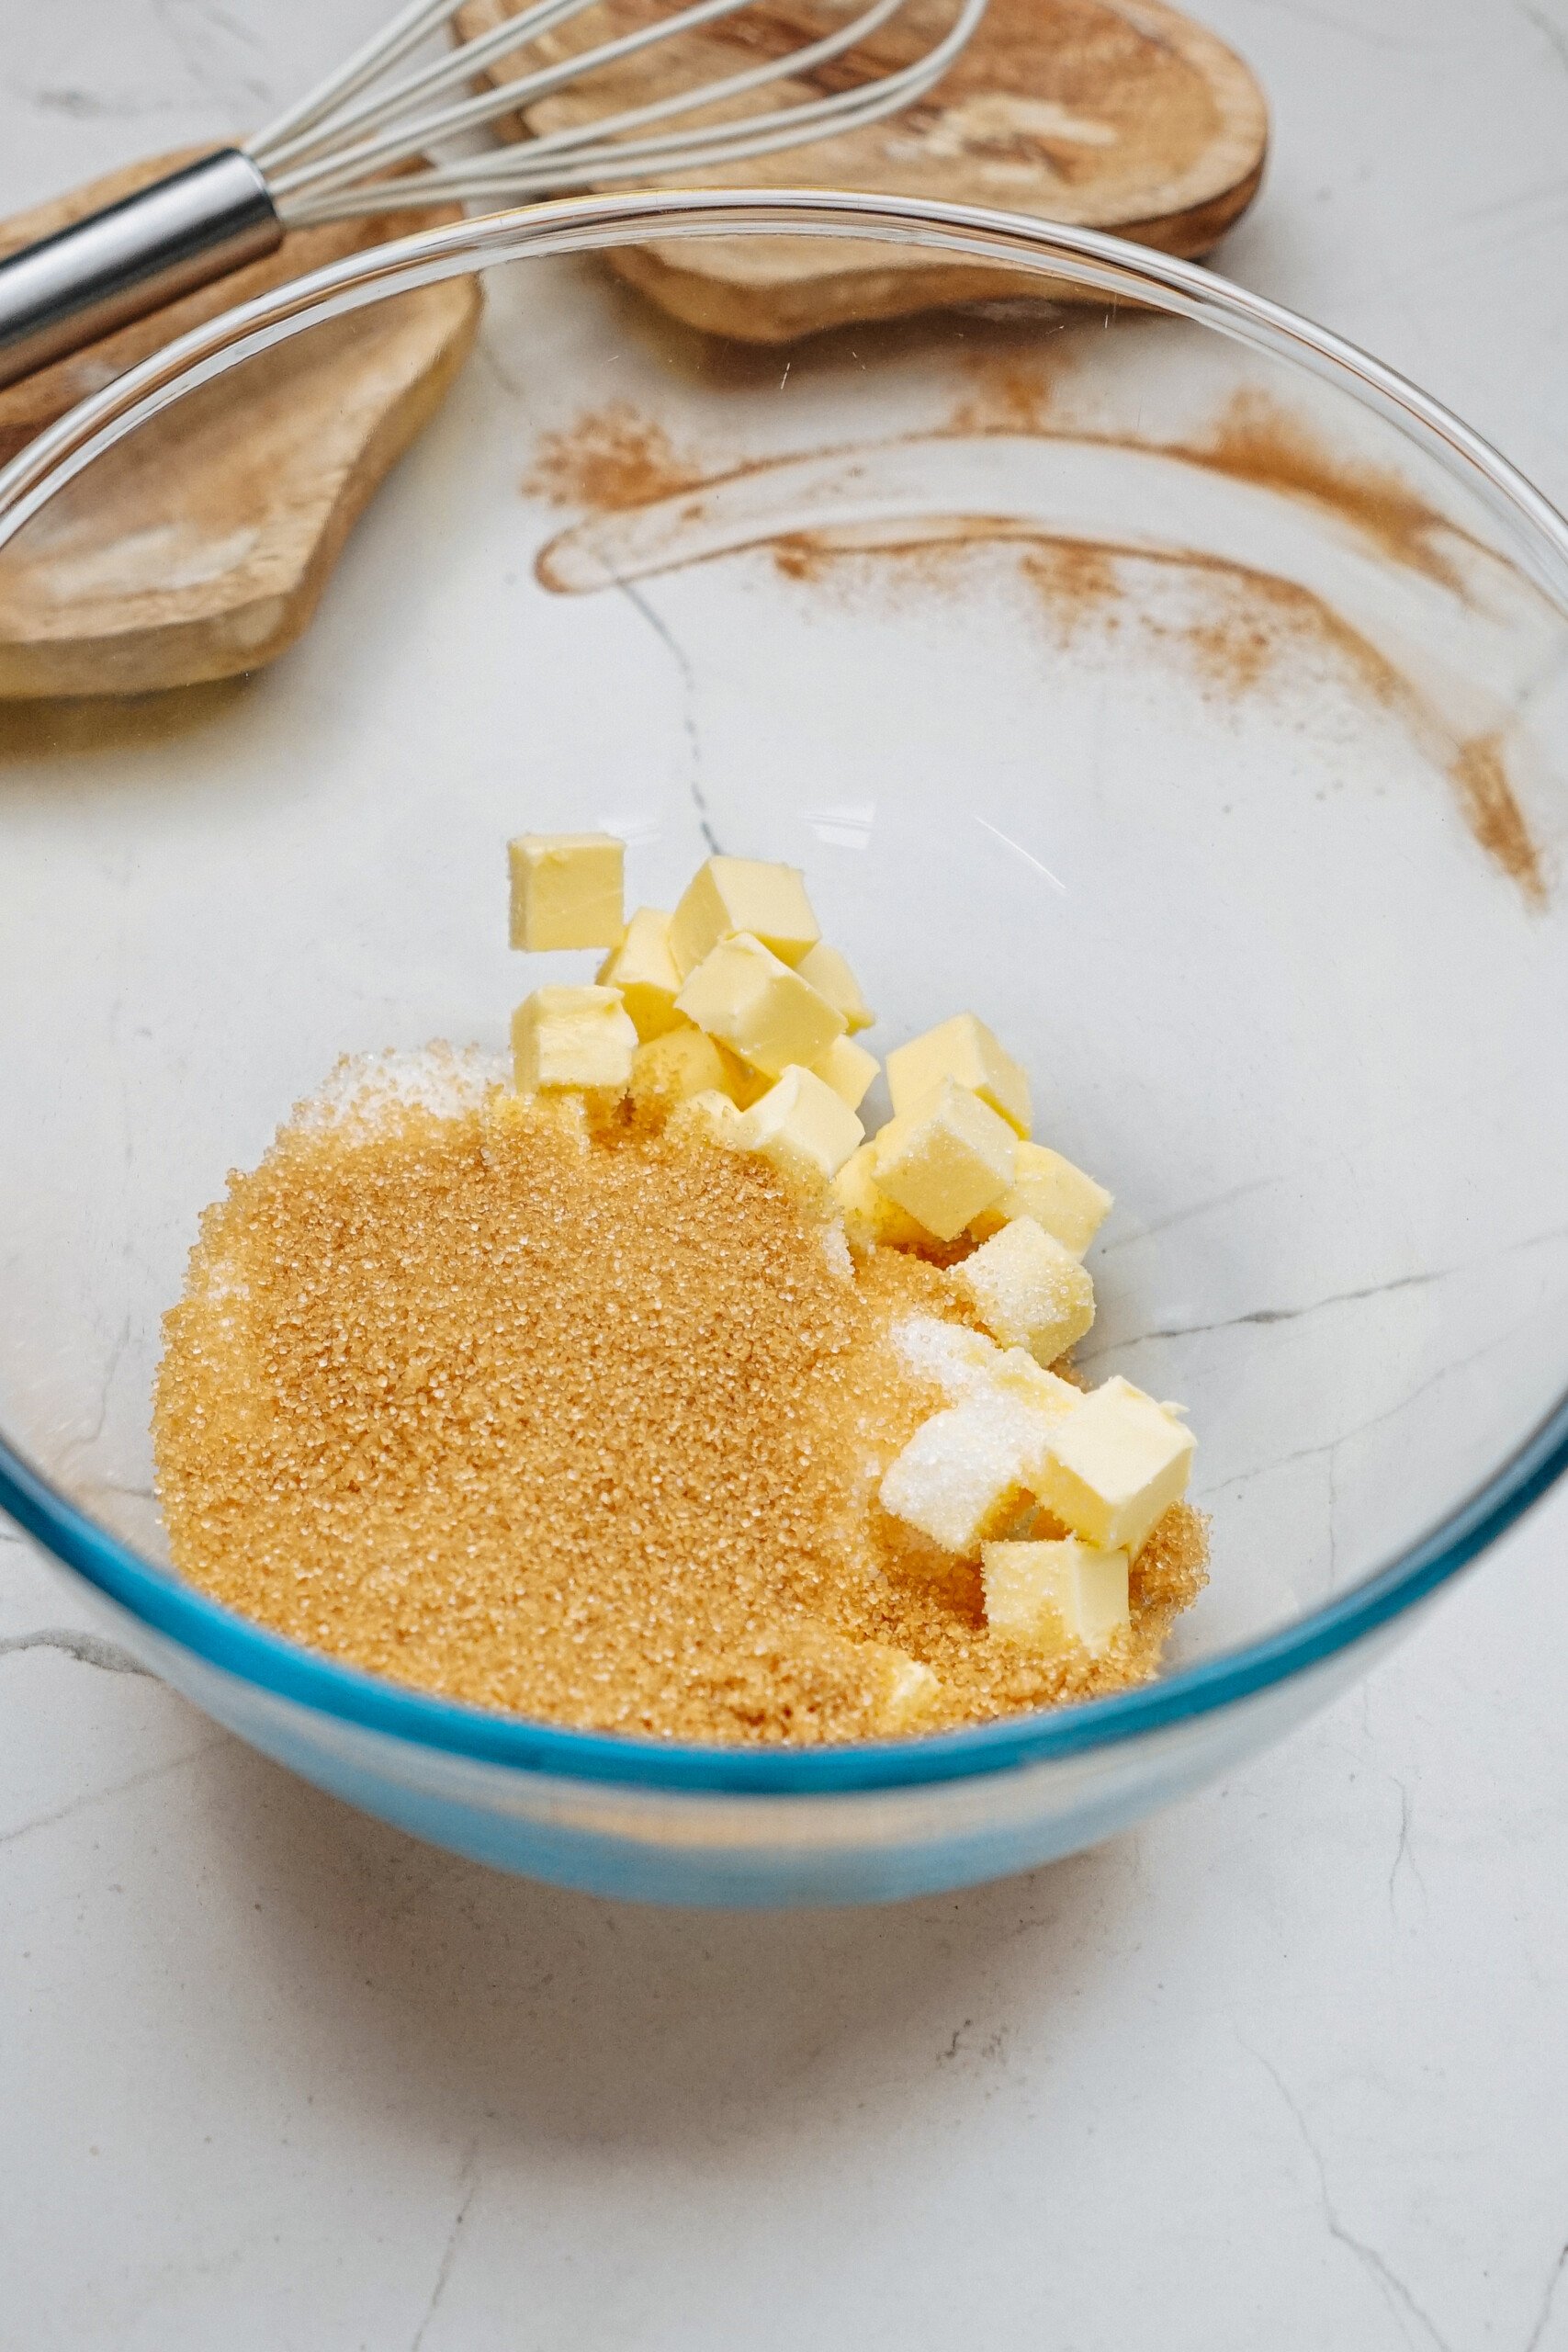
x=574, y=1412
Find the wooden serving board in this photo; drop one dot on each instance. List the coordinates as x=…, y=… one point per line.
x=199, y=547
x=1109, y=114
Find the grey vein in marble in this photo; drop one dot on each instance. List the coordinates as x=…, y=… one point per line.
x=468, y=2182
x=1548, y=2300
x=87, y=1649
x=667, y=637
x=1391, y=2288
x=92, y=1797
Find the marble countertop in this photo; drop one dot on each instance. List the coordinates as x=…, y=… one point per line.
x=1287, y=2068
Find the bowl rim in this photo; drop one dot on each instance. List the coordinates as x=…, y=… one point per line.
x=237, y=1647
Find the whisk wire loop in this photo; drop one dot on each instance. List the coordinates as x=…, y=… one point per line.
x=329, y=121
x=411, y=134
x=314, y=177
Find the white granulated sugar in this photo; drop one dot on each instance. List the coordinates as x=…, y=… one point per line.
x=958, y=1360
x=836, y=1249
x=963, y=1467
x=220, y=1284
x=362, y=1089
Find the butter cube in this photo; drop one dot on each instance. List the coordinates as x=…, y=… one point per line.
x=710, y=1115
x=911, y=1689
x=1028, y=1290
x=800, y=1123
x=572, y=1038
x=831, y=976
x=744, y=1084
x=686, y=1062
x=962, y=1474
x=742, y=995
x=945, y=1159
x=965, y=1050
x=565, y=890
x=728, y=895
x=644, y=970
x=1017, y=1372
x=1055, y=1194
x=870, y=1216
x=669, y=1070
x=848, y=1070
x=1048, y=1596
x=1115, y=1466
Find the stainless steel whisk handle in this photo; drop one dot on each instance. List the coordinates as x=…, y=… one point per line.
x=177, y=233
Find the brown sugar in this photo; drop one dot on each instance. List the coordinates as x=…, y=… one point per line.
x=1255, y=440
x=1255, y=627
x=1076, y=582
x=610, y=457
x=581, y=1422
x=1494, y=816
x=1012, y=391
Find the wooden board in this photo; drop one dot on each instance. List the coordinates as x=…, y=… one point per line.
x=199, y=547
x=1109, y=114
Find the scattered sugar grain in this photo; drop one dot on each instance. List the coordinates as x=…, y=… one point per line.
x=444, y=1079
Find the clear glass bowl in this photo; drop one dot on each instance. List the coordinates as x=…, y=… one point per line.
x=1152, y=673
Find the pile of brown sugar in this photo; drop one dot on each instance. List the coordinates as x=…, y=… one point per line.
x=583, y=1423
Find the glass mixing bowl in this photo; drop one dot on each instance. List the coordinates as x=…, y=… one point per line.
x=1121, y=657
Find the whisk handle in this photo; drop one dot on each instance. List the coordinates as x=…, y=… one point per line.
x=118, y=264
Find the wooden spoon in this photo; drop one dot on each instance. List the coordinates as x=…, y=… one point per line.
x=1109, y=114
x=199, y=549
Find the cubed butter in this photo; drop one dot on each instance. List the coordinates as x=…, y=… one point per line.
x=1028, y=1290
x=710, y=1114
x=1114, y=1466
x=572, y=1038
x=800, y=1123
x=831, y=976
x=1016, y=1372
x=909, y=1695
x=670, y=1070
x=869, y=1215
x=1046, y=1597
x=965, y=1050
x=741, y=994
x=1055, y=1194
x=962, y=1474
x=945, y=1159
x=687, y=1061
x=644, y=970
x=728, y=895
x=848, y=1070
x=566, y=890
x=744, y=1084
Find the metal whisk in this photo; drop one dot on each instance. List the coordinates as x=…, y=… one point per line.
x=327, y=157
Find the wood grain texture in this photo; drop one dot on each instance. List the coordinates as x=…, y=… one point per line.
x=1110, y=114
x=199, y=547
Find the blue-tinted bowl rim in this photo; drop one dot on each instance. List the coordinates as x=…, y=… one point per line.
x=236, y=1647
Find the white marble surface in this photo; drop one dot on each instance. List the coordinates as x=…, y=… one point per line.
x=1286, y=2069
